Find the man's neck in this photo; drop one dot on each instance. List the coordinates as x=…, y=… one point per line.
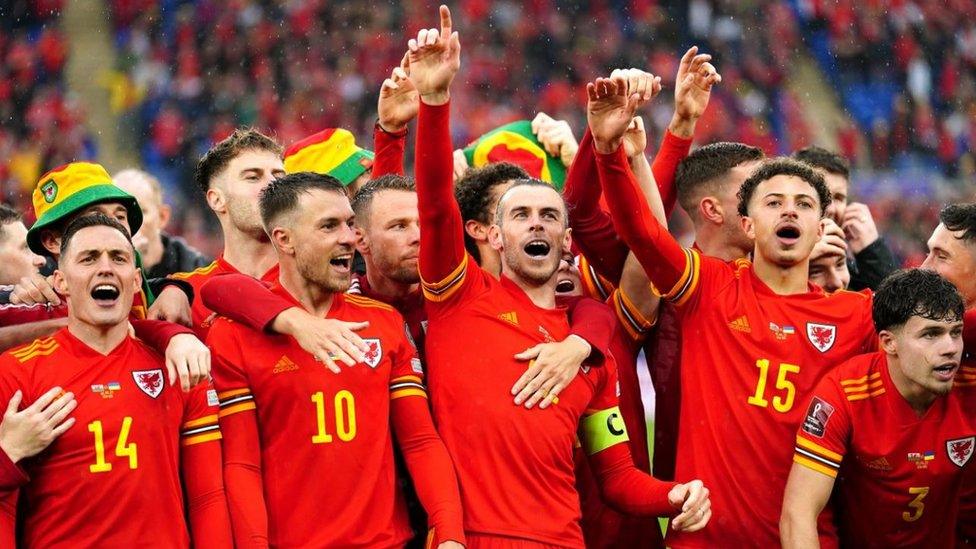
x=154, y=253
x=543, y=296
x=251, y=256
x=917, y=397
x=712, y=244
x=314, y=298
x=491, y=260
x=102, y=339
x=385, y=286
x=783, y=280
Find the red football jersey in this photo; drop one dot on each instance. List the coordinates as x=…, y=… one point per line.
x=749, y=361
x=114, y=478
x=202, y=316
x=900, y=474
x=603, y=526
x=411, y=307
x=506, y=455
x=325, y=440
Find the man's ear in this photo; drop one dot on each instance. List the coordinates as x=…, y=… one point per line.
x=281, y=238
x=216, y=200
x=51, y=241
x=362, y=243
x=59, y=283
x=568, y=241
x=888, y=343
x=165, y=212
x=476, y=230
x=748, y=227
x=138, y=279
x=710, y=210
x=495, y=237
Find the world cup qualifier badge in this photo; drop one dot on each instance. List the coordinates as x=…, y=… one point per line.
x=815, y=422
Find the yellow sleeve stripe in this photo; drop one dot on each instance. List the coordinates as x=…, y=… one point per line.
x=35, y=354
x=860, y=380
x=205, y=420
x=45, y=343
x=596, y=286
x=809, y=464
x=190, y=441
x=201, y=271
x=864, y=387
x=448, y=280
x=407, y=392
x=414, y=379
x=818, y=449
x=854, y=397
x=630, y=317
x=231, y=410
x=367, y=302
x=228, y=394
x=688, y=283
x=602, y=430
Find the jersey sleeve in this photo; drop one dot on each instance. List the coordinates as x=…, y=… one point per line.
x=12, y=476
x=592, y=321
x=632, y=325
x=674, y=271
x=593, y=230
x=389, y=148
x=158, y=333
x=673, y=150
x=202, y=466
x=822, y=438
x=243, y=299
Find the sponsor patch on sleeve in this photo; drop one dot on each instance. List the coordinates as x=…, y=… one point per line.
x=212, y=399
x=815, y=422
x=416, y=365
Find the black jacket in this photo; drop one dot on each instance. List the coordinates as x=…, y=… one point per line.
x=871, y=266
x=178, y=257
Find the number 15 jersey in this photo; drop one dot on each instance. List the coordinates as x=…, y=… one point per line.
x=750, y=360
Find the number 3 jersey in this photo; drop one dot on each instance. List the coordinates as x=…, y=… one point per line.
x=326, y=450
x=114, y=478
x=750, y=360
x=900, y=473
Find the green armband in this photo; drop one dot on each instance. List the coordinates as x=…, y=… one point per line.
x=603, y=429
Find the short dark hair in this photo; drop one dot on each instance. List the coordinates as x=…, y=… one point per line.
x=829, y=161
x=93, y=220
x=530, y=182
x=473, y=194
x=706, y=164
x=221, y=154
x=960, y=217
x=783, y=166
x=281, y=195
x=915, y=292
x=363, y=200
x=8, y=215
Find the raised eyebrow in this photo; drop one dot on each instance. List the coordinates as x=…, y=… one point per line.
x=552, y=210
x=518, y=209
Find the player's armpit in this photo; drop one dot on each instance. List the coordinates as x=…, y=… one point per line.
x=242, y=479
x=673, y=269
x=807, y=492
x=243, y=299
x=202, y=465
x=623, y=486
x=427, y=459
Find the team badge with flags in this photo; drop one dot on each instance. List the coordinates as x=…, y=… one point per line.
x=373, y=356
x=149, y=381
x=822, y=336
x=960, y=450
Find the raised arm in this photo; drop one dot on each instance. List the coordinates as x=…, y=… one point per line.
x=435, y=57
x=610, y=113
x=397, y=105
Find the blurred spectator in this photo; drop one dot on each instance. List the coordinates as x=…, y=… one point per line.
x=16, y=259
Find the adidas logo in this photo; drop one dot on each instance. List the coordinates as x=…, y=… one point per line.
x=880, y=464
x=284, y=364
x=511, y=318
x=741, y=324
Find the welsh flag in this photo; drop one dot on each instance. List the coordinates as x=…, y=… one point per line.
x=516, y=143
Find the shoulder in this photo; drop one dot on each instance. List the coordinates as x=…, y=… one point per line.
x=859, y=378
x=32, y=352
x=196, y=274
x=965, y=381
x=373, y=309
x=863, y=298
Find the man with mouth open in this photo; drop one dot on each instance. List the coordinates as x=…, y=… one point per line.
x=143, y=440
x=292, y=427
x=910, y=399
x=515, y=465
x=756, y=336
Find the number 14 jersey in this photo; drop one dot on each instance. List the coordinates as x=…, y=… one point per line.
x=750, y=360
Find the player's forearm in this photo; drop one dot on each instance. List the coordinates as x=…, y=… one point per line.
x=12, y=476
x=206, y=499
x=593, y=230
x=644, y=176
x=158, y=333
x=442, y=240
x=430, y=466
x=626, y=488
x=593, y=322
x=243, y=481
x=798, y=529
x=8, y=518
x=389, y=148
x=673, y=150
x=243, y=299
x=12, y=336
x=659, y=253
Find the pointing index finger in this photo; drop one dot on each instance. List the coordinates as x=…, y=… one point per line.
x=446, y=23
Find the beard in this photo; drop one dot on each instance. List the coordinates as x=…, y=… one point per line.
x=319, y=272
x=245, y=218
x=535, y=275
x=395, y=270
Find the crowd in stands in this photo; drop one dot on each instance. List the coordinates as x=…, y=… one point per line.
x=40, y=124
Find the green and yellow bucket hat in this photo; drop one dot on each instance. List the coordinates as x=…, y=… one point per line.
x=329, y=152
x=516, y=143
x=70, y=188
